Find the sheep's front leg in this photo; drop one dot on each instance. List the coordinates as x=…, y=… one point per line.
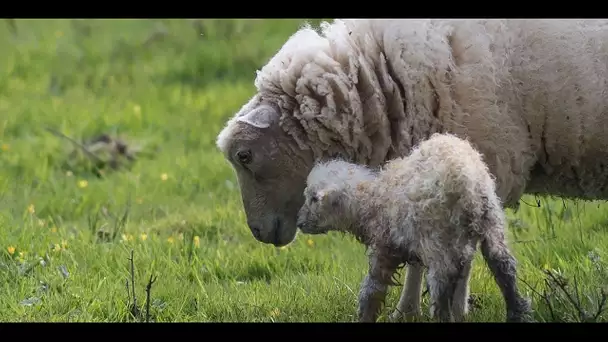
x=409, y=302
x=375, y=286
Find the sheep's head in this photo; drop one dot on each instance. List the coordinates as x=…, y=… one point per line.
x=271, y=172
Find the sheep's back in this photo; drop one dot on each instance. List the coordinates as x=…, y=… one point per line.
x=552, y=76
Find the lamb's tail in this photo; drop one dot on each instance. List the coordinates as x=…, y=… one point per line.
x=503, y=266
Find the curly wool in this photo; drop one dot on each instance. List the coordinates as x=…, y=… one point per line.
x=530, y=95
x=442, y=184
x=432, y=206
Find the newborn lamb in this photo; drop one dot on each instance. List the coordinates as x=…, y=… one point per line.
x=431, y=207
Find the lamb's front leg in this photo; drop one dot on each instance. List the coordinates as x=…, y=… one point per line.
x=371, y=298
x=409, y=302
x=375, y=286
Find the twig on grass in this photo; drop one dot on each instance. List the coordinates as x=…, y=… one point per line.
x=133, y=309
x=148, y=290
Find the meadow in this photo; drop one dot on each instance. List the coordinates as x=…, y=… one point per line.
x=78, y=237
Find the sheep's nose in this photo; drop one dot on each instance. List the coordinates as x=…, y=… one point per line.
x=255, y=230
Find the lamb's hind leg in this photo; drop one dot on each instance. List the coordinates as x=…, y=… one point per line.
x=460, y=304
x=409, y=302
x=503, y=266
x=442, y=281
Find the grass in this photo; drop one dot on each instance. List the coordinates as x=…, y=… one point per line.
x=66, y=233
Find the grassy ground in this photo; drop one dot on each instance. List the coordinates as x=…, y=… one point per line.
x=66, y=232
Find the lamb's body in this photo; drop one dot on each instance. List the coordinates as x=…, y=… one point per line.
x=530, y=95
x=431, y=207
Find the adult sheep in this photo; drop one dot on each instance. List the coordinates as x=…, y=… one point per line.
x=530, y=95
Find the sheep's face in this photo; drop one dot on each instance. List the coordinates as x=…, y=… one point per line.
x=321, y=212
x=271, y=172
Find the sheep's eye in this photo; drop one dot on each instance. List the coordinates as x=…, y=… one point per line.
x=314, y=199
x=244, y=157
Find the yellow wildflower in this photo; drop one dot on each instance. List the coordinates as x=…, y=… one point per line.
x=56, y=102
x=56, y=248
x=164, y=177
x=127, y=237
x=31, y=209
x=83, y=183
x=64, y=244
x=275, y=312
x=197, y=241
x=5, y=147
x=41, y=223
x=54, y=230
x=11, y=250
x=170, y=239
x=310, y=243
x=143, y=236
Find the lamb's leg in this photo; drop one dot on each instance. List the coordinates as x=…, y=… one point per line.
x=503, y=266
x=442, y=281
x=371, y=297
x=409, y=302
x=375, y=286
x=460, y=305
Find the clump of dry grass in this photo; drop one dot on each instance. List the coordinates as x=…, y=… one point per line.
x=104, y=153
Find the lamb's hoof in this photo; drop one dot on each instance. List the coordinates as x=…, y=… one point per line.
x=395, y=316
x=398, y=316
x=523, y=314
x=523, y=318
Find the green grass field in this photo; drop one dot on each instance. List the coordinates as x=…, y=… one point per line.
x=66, y=232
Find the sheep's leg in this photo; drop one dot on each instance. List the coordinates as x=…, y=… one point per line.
x=375, y=286
x=460, y=305
x=502, y=264
x=409, y=302
x=371, y=297
x=442, y=285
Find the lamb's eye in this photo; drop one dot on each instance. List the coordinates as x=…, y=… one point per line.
x=244, y=157
x=314, y=199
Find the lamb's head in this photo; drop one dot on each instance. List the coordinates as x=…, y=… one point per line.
x=322, y=210
x=330, y=198
x=271, y=171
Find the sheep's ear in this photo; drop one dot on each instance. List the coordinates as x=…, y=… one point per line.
x=261, y=117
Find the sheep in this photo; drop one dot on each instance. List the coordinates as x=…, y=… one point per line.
x=430, y=208
x=530, y=95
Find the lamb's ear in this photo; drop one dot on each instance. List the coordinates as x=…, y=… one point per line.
x=263, y=116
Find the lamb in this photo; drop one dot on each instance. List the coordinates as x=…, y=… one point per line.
x=430, y=208
x=530, y=95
